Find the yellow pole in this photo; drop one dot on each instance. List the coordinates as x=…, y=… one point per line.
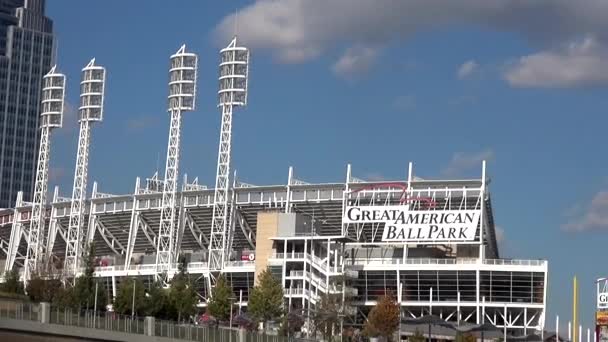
x=574, y=311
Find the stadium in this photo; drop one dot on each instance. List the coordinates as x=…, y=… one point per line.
x=430, y=242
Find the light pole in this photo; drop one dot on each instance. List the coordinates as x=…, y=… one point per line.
x=133, y=302
x=231, y=299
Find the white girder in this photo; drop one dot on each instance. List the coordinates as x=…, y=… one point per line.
x=92, y=89
x=231, y=220
x=245, y=228
x=53, y=226
x=147, y=230
x=17, y=232
x=4, y=245
x=219, y=222
x=91, y=226
x=181, y=224
x=53, y=90
x=109, y=238
x=182, y=97
x=234, y=66
x=138, y=223
x=133, y=226
x=200, y=238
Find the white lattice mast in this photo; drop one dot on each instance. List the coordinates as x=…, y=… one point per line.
x=92, y=89
x=234, y=68
x=182, y=97
x=51, y=117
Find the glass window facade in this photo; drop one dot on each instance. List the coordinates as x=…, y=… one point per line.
x=26, y=54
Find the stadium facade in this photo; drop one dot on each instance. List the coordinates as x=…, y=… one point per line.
x=432, y=243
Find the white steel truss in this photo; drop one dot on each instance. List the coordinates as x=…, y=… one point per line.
x=234, y=68
x=92, y=89
x=16, y=234
x=182, y=97
x=53, y=89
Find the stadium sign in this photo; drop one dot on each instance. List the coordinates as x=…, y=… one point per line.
x=602, y=300
x=404, y=225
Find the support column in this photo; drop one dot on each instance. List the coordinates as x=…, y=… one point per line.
x=477, y=297
x=113, y=287
x=149, y=325
x=44, y=312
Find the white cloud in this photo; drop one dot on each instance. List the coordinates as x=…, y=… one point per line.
x=581, y=63
x=462, y=162
x=355, y=61
x=467, y=69
x=594, y=217
x=296, y=31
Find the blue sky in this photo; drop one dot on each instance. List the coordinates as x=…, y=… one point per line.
x=338, y=82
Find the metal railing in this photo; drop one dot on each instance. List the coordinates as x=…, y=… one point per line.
x=97, y=320
x=18, y=310
x=111, y=321
x=445, y=261
x=194, y=332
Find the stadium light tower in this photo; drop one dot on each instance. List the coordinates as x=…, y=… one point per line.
x=234, y=69
x=53, y=92
x=92, y=89
x=182, y=97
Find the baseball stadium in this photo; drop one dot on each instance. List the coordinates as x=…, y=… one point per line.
x=430, y=242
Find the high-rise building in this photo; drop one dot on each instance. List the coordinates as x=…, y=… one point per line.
x=26, y=54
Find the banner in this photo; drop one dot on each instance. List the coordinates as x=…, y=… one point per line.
x=404, y=225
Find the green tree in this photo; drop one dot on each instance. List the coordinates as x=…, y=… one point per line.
x=157, y=302
x=12, y=284
x=219, y=305
x=266, y=298
x=290, y=324
x=383, y=319
x=182, y=294
x=84, y=287
x=332, y=308
x=64, y=298
x=40, y=289
x=123, y=303
x=326, y=317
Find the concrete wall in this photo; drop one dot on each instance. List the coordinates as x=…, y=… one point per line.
x=292, y=224
x=267, y=227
